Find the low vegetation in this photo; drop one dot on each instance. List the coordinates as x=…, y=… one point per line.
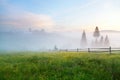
x=59, y=66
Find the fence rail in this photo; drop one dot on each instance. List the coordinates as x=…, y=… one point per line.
x=109, y=50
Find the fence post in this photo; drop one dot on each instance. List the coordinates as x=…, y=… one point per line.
x=110, y=49
x=89, y=50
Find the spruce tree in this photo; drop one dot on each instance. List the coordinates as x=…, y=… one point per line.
x=83, y=40
x=101, y=41
x=96, y=34
x=55, y=48
x=106, y=43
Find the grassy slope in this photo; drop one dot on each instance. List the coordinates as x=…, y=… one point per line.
x=59, y=66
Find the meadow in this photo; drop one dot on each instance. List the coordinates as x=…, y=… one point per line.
x=59, y=66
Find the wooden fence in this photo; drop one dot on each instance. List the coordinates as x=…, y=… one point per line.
x=109, y=50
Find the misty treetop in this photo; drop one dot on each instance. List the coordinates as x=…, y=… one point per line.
x=96, y=32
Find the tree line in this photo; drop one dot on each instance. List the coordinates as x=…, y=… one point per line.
x=99, y=40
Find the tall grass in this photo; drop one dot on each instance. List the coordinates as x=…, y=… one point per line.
x=59, y=66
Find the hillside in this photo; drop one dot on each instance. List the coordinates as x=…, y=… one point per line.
x=110, y=31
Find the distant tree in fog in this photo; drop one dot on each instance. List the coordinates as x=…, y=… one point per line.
x=55, y=48
x=96, y=34
x=42, y=30
x=101, y=41
x=106, y=42
x=83, y=39
x=30, y=30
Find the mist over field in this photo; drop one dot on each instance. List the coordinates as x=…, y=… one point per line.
x=42, y=40
x=43, y=24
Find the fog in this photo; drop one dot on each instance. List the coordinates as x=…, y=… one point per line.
x=39, y=41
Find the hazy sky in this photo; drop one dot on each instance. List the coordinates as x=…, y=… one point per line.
x=60, y=15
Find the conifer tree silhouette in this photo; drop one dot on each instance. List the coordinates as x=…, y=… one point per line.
x=83, y=40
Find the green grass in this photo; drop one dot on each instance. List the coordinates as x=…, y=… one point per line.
x=59, y=66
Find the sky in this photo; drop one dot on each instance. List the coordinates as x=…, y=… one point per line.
x=59, y=15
